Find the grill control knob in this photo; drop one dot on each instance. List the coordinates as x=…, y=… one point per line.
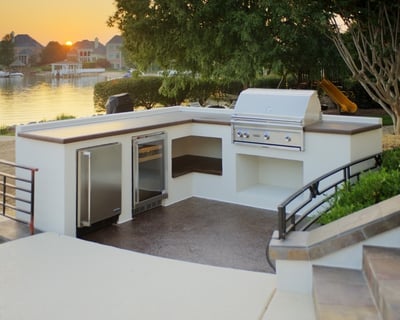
x=239, y=134
x=246, y=134
x=266, y=135
x=288, y=139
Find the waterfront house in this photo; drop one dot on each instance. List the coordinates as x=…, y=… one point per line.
x=87, y=51
x=27, y=50
x=114, y=52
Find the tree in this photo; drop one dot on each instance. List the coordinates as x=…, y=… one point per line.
x=374, y=29
x=300, y=46
x=365, y=34
x=217, y=39
x=229, y=39
x=53, y=52
x=7, y=50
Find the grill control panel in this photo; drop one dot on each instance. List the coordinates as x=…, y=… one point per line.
x=269, y=137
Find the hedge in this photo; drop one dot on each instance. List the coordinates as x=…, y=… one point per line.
x=143, y=91
x=149, y=91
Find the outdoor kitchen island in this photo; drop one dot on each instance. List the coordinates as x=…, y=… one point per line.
x=201, y=158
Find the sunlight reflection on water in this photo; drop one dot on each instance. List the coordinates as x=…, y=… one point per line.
x=38, y=98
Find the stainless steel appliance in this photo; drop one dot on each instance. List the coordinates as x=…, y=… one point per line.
x=98, y=184
x=148, y=171
x=274, y=118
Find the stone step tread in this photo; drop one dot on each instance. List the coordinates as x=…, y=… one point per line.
x=342, y=294
x=290, y=305
x=382, y=271
x=383, y=261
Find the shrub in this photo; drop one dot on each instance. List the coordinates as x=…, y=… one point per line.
x=373, y=187
x=182, y=88
x=149, y=91
x=6, y=131
x=144, y=91
x=64, y=116
x=391, y=159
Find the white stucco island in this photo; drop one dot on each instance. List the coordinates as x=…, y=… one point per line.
x=215, y=167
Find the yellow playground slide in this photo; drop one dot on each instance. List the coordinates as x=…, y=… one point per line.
x=338, y=97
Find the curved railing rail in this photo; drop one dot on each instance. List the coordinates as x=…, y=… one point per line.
x=17, y=192
x=298, y=212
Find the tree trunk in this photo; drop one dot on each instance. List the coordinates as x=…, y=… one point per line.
x=376, y=64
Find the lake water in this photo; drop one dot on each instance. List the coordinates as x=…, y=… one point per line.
x=38, y=98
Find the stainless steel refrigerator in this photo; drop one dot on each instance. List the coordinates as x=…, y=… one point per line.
x=98, y=184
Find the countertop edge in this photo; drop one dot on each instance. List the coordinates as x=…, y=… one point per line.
x=34, y=136
x=338, y=127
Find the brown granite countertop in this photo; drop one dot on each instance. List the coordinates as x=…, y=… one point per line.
x=341, y=127
x=81, y=132
x=131, y=124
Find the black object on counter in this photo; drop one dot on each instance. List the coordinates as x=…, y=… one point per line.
x=119, y=103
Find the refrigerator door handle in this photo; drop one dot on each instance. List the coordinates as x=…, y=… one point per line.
x=87, y=223
x=136, y=173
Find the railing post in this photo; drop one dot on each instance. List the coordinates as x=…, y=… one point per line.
x=4, y=196
x=282, y=222
x=32, y=222
x=23, y=190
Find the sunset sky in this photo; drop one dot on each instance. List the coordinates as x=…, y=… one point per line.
x=62, y=21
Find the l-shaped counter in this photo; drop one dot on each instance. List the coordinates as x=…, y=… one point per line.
x=201, y=159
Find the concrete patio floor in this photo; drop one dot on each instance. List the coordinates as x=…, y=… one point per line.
x=194, y=230
x=197, y=230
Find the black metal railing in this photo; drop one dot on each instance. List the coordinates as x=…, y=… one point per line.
x=17, y=192
x=298, y=212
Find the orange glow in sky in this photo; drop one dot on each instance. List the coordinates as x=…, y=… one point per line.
x=61, y=21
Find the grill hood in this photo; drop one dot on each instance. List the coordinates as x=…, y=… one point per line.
x=300, y=106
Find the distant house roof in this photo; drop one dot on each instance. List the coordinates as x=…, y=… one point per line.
x=84, y=44
x=115, y=40
x=95, y=45
x=24, y=40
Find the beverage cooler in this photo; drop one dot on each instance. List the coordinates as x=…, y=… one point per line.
x=148, y=171
x=98, y=186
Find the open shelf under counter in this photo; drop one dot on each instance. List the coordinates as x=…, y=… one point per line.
x=196, y=154
x=267, y=181
x=265, y=196
x=190, y=163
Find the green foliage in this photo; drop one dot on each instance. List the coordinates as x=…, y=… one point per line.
x=7, y=50
x=53, y=52
x=6, y=131
x=275, y=81
x=167, y=91
x=64, y=116
x=360, y=96
x=230, y=39
x=182, y=88
x=387, y=120
x=144, y=91
x=373, y=187
x=391, y=159
x=99, y=63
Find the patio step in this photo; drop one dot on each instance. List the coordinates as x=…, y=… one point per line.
x=382, y=271
x=370, y=293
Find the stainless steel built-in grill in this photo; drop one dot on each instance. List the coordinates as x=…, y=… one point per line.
x=274, y=117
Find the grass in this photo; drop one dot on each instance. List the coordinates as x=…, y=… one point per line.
x=7, y=131
x=386, y=120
